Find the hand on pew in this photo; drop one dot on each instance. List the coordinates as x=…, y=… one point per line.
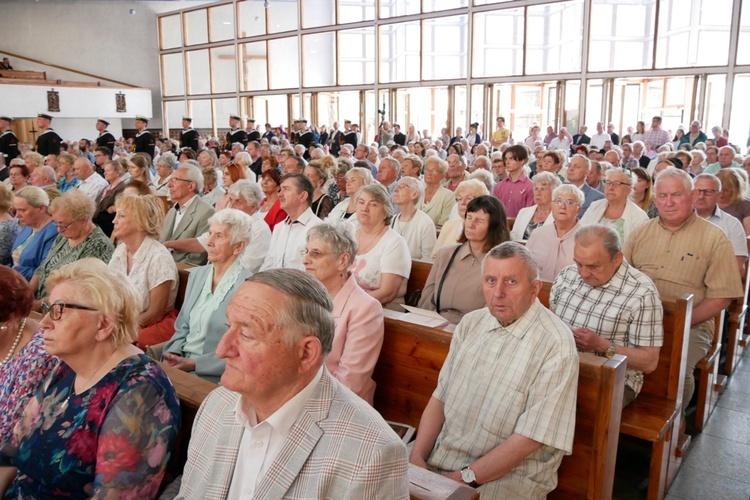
x=175, y=361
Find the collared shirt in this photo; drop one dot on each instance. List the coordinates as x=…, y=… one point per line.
x=93, y=185
x=697, y=258
x=498, y=381
x=626, y=310
x=262, y=442
x=558, y=143
x=598, y=140
x=180, y=211
x=732, y=228
x=515, y=195
x=656, y=137
x=288, y=240
x=715, y=167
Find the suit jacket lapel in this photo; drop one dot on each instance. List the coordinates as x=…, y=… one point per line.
x=225, y=470
x=303, y=436
x=186, y=218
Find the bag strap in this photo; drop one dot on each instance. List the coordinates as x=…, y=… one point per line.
x=445, y=273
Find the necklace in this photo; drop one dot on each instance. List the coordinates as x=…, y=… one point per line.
x=370, y=242
x=15, y=343
x=84, y=384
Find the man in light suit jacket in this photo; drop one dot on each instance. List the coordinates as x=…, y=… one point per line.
x=188, y=218
x=280, y=425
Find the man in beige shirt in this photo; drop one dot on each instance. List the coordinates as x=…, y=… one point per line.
x=683, y=253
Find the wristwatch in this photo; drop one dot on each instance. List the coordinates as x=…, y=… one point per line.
x=468, y=477
x=610, y=350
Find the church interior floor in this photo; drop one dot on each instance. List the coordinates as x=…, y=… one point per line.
x=718, y=460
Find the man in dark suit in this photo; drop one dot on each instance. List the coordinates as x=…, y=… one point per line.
x=398, y=136
x=335, y=139
x=189, y=137
x=612, y=135
x=48, y=142
x=268, y=134
x=252, y=134
x=580, y=138
x=8, y=140
x=144, y=140
x=105, y=138
x=236, y=134
x=305, y=138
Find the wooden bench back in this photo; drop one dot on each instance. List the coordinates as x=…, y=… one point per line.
x=28, y=75
x=420, y=270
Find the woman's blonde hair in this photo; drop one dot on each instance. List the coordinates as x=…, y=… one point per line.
x=109, y=291
x=147, y=212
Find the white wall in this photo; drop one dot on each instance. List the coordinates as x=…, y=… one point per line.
x=97, y=37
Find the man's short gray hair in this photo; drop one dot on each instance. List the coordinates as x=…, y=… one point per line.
x=307, y=311
x=243, y=158
x=247, y=190
x=603, y=233
x=363, y=173
x=339, y=238
x=237, y=223
x=674, y=173
x=49, y=172
x=510, y=249
x=710, y=177
x=193, y=174
x=395, y=165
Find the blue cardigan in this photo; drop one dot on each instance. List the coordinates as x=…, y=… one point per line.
x=36, y=251
x=207, y=366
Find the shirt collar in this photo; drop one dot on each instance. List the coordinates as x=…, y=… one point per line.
x=181, y=209
x=690, y=220
x=303, y=219
x=284, y=418
x=520, y=326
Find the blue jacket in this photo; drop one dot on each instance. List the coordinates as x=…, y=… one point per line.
x=36, y=251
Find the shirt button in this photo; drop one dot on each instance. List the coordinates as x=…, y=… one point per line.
x=258, y=444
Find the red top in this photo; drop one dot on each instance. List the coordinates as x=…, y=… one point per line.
x=275, y=214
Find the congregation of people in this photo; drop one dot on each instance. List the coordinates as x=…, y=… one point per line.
x=298, y=243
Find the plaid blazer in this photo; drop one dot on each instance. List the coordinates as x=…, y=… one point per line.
x=339, y=447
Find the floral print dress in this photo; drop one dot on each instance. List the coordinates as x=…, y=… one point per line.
x=111, y=440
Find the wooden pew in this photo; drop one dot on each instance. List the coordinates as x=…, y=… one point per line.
x=183, y=271
x=407, y=373
x=655, y=415
x=710, y=383
x=28, y=75
x=736, y=335
x=420, y=270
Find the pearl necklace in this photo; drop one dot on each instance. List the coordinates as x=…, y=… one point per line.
x=15, y=343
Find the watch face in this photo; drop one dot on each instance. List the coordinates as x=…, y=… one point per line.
x=468, y=475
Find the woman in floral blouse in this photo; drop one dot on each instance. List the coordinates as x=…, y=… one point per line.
x=105, y=421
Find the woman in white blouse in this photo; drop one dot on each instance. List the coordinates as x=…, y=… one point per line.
x=413, y=224
x=437, y=201
x=383, y=263
x=346, y=209
x=147, y=263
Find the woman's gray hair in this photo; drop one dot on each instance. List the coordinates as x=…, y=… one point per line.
x=484, y=177
x=75, y=204
x=247, y=190
x=243, y=158
x=547, y=179
x=307, y=310
x=511, y=249
x=442, y=165
x=363, y=173
x=414, y=185
x=168, y=160
x=604, y=233
x=474, y=186
x=193, y=174
x=570, y=190
x=339, y=238
x=34, y=196
x=237, y=223
x=380, y=194
x=344, y=165
x=619, y=170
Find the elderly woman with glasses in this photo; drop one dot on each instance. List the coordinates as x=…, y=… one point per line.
x=454, y=285
x=38, y=230
x=540, y=213
x=329, y=255
x=552, y=245
x=413, y=224
x=78, y=238
x=202, y=319
x=24, y=364
x=616, y=208
x=104, y=422
x=165, y=166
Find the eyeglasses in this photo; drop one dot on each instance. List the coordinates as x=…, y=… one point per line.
x=707, y=192
x=314, y=254
x=178, y=179
x=616, y=183
x=55, y=309
x=560, y=202
x=64, y=227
